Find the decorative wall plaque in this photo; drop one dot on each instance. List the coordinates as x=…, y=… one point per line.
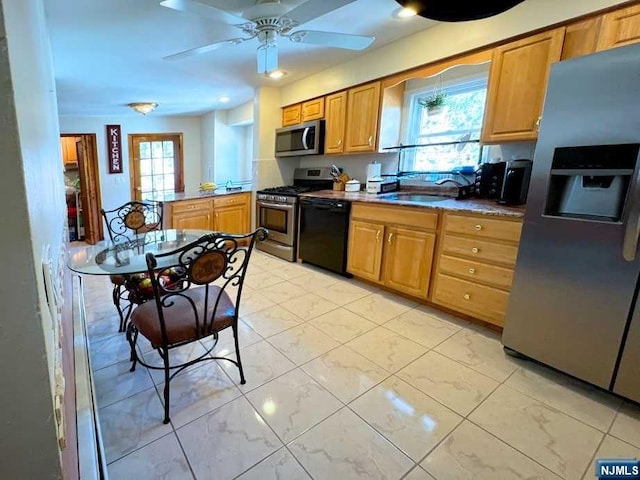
x=114, y=148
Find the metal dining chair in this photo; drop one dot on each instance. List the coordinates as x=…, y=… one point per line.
x=124, y=223
x=195, y=305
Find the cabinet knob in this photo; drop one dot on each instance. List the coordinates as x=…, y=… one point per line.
x=466, y=296
x=475, y=249
x=478, y=227
x=378, y=236
x=390, y=238
x=472, y=271
x=192, y=206
x=370, y=140
x=538, y=120
x=339, y=142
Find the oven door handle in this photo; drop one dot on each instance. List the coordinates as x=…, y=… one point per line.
x=276, y=205
x=304, y=138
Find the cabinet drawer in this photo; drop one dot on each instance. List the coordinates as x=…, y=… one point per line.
x=228, y=200
x=189, y=205
x=414, y=217
x=483, y=227
x=476, y=271
x=477, y=300
x=480, y=249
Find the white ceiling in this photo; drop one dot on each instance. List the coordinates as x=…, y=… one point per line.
x=108, y=53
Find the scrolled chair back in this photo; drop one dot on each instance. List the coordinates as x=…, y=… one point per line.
x=133, y=218
x=194, y=282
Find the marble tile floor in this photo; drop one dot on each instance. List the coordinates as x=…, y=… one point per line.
x=345, y=381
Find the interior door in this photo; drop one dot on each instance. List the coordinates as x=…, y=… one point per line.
x=89, y=188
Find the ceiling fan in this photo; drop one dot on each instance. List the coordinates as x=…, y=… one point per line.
x=267, y=20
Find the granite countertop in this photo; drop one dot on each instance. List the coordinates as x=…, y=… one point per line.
x=193, y=195
x=469, y=205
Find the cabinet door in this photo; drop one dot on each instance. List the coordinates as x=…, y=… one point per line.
x=291, y=115
x=363, y=106
x=232, y=219
x=69, y=150
x=198, y=218
x=619, y=28
x=581, y=38
x=336, y=116
x=313, y=109
x=517, y=86
x=365, y=249
x=408, y=260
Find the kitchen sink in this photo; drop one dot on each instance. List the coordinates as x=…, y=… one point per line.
x=414, y=197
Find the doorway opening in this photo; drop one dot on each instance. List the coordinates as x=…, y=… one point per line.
x=82, y=186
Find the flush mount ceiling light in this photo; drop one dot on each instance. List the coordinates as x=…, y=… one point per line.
x=267, y=21
x=224, y=99
x=403, y=13
x=143, y=107
x=458, y=10
x=275, y=74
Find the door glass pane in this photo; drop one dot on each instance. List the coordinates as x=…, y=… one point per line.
x=157, y=166
x=168, y=165
x=145, y=167
x=169, y=182
x=167, y=148
x=145, y=150
x=156, y=149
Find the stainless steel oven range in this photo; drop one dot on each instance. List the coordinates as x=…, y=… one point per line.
x=277, y=210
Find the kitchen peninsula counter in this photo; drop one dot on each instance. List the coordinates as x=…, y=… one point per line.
x=196, y=195
x=469, y=205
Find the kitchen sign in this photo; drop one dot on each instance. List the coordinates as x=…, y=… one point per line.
x=114, y=148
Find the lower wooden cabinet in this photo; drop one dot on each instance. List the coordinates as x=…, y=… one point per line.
x=397, y=256
x=187, y=214
x=228, y=213
x=474, y=266
x=232, y=213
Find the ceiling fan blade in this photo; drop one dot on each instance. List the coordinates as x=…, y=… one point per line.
x=204, y=48
x=203, y=8
x=314, y=8
x=332, y=39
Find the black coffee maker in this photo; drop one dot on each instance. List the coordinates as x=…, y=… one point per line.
x=489, y=178
x=516, y=182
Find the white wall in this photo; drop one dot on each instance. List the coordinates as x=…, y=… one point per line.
x=32, y=224
x=241, y=115
x=443, y=40
x=115, y=188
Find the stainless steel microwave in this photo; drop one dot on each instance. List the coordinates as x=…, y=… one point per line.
x=303, y=139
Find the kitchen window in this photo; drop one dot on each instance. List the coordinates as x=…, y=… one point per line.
x=157, y=165
x=458, y=123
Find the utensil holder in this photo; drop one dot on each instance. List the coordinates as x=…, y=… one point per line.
x=338, y=186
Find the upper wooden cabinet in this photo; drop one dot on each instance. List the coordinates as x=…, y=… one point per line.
x=517, y=85
x=336, y=116
x=619, y=28
x=291, y=115
x=581, y=38
x=69, y=150
x=313, y=109
x=363, y=105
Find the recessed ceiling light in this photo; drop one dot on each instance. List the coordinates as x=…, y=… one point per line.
x=224, y=99
x=404, y=13
x=276, y=74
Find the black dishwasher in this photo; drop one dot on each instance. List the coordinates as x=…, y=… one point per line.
x=323, y=232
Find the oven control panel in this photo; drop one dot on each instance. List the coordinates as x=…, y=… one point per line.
x=276, y=198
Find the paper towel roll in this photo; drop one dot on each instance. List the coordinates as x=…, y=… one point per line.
x=374, y=170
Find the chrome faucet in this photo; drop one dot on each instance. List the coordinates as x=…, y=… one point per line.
x=445, y=180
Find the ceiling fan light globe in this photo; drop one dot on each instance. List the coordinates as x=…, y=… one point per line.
x=267, y=57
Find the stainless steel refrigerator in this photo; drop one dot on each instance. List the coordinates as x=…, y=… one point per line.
x=574, y=301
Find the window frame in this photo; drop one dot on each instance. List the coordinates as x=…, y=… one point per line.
x=455, y=86
x=134, y=159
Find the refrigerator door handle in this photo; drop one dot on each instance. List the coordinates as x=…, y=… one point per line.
x=632, y=229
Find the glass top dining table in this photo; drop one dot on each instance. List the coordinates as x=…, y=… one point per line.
x=129, y=257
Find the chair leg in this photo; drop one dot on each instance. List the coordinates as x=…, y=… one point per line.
x=235, y=338
x=132, y=338
x=117, y=292
x=165, y=356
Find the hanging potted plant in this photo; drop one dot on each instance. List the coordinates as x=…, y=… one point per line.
x=434, y=103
